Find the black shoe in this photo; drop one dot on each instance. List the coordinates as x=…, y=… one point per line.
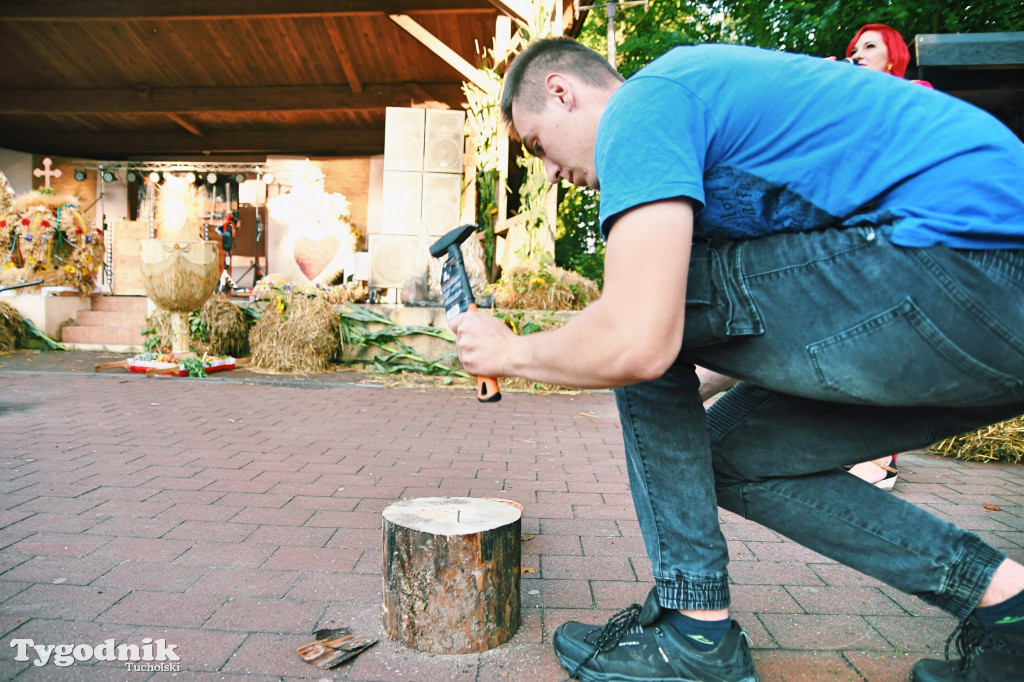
x=995, y=655
x=636, y=644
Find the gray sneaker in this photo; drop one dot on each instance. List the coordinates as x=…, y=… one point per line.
x=635, y=645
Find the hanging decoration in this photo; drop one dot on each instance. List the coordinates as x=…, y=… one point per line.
x=45, y=236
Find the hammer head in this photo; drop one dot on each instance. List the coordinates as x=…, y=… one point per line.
x=453, y=238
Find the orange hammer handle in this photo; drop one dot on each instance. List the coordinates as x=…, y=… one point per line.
x=487, y=390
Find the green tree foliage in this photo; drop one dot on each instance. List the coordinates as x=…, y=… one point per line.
x=578, y=243
x=816, y=27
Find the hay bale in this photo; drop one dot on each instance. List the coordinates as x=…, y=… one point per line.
x=158, y=325
x=530, y=286
x=1002, y=442
x=12, y=327
x=227, y=328
x=299, y=336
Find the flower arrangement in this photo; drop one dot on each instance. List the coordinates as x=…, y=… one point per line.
x=274, y=289
x=49, y=237
x=534, y=286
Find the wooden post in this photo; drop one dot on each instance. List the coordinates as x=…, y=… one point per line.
x=451, y=573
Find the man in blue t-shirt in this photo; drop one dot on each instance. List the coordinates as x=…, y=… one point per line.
x=850, y=246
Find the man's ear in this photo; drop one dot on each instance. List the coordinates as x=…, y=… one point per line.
x=559, y=88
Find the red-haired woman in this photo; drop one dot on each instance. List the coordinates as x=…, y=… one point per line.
x=881, y=48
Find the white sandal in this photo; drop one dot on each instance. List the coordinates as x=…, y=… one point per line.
x=868, y=471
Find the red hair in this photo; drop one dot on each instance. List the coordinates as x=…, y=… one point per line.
x=899, y=55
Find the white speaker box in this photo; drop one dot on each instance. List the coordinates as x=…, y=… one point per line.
x=394, y=260
x=442, y=194
x=403, y=139
x=402, y=202
x=445, y=134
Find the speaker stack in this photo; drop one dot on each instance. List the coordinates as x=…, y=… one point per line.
x=421, y=190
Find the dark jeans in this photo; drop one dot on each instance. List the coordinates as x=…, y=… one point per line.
x=849, y=348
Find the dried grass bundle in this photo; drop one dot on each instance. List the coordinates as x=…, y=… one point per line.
x=530, y=286
x=345, y=293
x=49, y=202
x=218, y=328
x=227, y=328
x=8, y=236
x=12, y=327
x=274, y=285
x=179, y=275
x=298, y=336
x=7, y=195
x=160, y=329
x=1002, y=442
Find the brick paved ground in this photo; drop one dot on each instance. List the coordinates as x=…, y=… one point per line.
x=233, y=518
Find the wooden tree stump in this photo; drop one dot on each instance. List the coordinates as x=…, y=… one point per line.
x=451, y=573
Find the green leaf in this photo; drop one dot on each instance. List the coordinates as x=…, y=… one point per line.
x=33, y=330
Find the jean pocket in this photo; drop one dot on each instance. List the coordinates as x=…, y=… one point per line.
x=900, y=357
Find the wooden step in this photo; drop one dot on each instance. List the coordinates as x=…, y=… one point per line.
x=110, y=318
x=138, y=304
x=110, y=338
x=113, y=323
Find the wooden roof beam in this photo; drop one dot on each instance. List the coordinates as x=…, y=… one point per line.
x=425, y=98
x=186, y=125
x=435, y=45
x=344, y=142
x=78, y=101
x=343, y=57
x=520, y=10
x=141, y=10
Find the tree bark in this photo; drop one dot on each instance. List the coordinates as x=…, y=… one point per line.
x=451, y=573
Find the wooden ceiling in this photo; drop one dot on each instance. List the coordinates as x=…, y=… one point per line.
x=133, y=79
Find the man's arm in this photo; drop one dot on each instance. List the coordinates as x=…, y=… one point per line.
x=632, y=333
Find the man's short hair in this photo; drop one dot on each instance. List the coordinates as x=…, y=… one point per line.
x=524, y=80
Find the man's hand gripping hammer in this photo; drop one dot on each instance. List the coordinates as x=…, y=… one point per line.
x=458, y=295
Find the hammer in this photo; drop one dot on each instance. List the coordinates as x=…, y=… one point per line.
x=458, y=295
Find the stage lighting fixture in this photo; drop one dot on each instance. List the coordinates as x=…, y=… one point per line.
x=108, y=176
x=79, y=175
x=239, y=178
x=190, y=177
x=211, y=178
x=131, y=176
x=268, y=178
x=154, y=177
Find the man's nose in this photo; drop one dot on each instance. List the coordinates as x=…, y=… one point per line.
x=551, y=170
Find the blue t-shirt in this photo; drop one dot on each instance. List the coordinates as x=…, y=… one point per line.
x=766, y=142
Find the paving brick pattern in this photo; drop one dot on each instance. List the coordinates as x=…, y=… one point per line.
x=233, y=516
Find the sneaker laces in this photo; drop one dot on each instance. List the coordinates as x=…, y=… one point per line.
x=608, y=637
x=968, y=636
